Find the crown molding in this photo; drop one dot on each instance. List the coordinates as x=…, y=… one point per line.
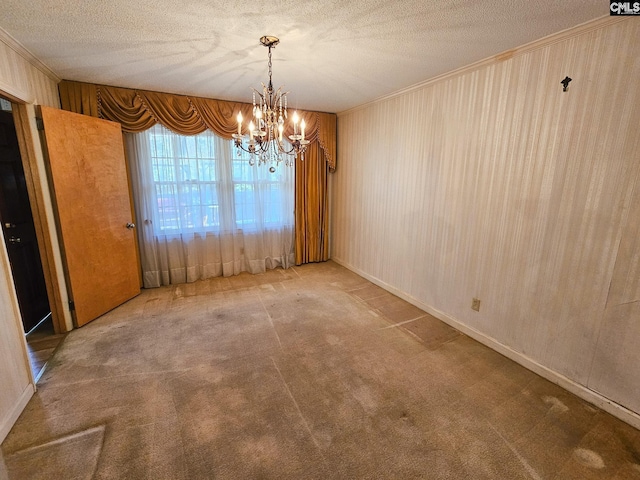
x=17, y=47
x=557, y=37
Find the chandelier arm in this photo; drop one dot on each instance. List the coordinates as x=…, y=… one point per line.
x=238, y=144
x=291, y=151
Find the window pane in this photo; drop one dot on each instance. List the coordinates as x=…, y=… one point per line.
x=163, y=170
x=167, y=207
x=209, y=201
x=245, y=203
x=242, y=171
x=205, y=147
x=207, y=170
x=188, y=169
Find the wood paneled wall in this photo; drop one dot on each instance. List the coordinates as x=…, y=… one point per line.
x=23, y=81
x=14, y=364
x=493, y=183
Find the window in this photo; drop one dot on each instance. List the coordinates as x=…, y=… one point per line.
x=201, y=184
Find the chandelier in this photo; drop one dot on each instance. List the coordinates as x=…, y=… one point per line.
x=265, y=132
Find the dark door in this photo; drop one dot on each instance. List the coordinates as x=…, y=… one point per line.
x=18, y=229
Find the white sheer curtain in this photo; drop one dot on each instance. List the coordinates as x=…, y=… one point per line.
x=203, y=211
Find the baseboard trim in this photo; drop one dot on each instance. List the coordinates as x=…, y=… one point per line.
x=12, y=416
x=591, y=396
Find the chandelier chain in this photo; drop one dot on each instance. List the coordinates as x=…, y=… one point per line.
x=270, y=66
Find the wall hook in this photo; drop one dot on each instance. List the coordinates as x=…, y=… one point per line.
x=565, y=83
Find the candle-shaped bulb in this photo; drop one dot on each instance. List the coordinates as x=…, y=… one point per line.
x=251, y=127
x=280, y=130
x=302, y=125
x=239, y=118
x=295, y=122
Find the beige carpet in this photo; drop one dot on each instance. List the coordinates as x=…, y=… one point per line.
x=306, y=373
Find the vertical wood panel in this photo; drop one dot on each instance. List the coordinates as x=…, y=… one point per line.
x=617, y=347
x=15, y=375
x=495, y=184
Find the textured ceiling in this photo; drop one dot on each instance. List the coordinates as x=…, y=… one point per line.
x=333, y=54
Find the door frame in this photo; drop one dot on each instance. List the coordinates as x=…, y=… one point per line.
x=35, y=172
x=32, y=176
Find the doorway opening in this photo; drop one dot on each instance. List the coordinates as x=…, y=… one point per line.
x=19, y=233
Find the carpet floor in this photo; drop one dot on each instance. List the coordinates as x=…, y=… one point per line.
x=306, y=373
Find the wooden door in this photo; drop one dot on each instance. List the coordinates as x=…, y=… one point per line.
x=91, y=193
x=18, y=229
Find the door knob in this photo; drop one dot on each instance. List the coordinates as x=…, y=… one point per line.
x=131, y=225
x=15, y=239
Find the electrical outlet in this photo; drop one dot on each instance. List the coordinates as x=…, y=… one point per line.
x=475, y=304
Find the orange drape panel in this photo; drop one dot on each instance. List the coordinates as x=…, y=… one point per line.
x=138, y=110
x=79, y=98
x=312, y=207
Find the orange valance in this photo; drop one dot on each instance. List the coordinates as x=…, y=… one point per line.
x=138, y=110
